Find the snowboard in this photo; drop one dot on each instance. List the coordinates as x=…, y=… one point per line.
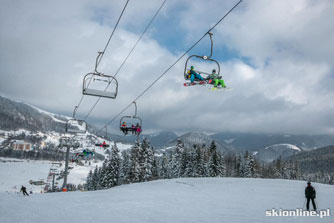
x=219, y=88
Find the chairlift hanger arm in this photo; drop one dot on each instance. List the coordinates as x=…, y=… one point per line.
x=98, y=61
x=75, y=111
x=210, y=34
x=135, y=109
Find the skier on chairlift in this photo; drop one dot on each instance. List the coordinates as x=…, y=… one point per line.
x=138, y=129
x=216, y=80
x=194, y=75
x=124, y=128
x=133, y=129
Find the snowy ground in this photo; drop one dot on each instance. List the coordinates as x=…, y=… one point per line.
x=212, y=200
x=16, y=172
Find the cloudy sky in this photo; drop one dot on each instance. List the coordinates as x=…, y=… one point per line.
x=276, y=56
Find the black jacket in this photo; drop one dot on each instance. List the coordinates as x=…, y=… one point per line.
x=309, y=192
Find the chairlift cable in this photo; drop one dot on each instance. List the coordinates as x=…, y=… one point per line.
x=105, y=48
x=126, y=58
x=156, y=80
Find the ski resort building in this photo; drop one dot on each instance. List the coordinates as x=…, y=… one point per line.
x=21, y=145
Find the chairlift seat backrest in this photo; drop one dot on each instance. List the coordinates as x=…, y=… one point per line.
x=76, y=126
x=100, y=85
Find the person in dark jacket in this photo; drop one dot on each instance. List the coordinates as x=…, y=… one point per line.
x=310, y=195
x=24, y=190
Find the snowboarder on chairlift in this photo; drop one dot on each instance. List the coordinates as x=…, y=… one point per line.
x=216, y=80
x=310, y=195
x=194, y=75
x=24, y=190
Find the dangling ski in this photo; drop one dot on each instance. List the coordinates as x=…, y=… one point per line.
x=187, y=84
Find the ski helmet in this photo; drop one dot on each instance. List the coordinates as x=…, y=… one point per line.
x=192, y=67
x=214, y=71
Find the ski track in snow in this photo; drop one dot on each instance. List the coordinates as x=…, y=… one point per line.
x=212, y=200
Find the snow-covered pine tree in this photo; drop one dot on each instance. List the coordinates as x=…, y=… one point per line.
x=134, y=171
x=216, y=167
x=102, y=173
x=176, y=161
x=190, y=170
x=111, y=177
x=146, y=161
x=95, y=179
x=125, y=167
x=250, y=167
x=164, y=169
x=89, y=181
x=199, y=162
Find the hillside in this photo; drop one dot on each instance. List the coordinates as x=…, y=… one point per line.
x=17, y=115
x=255, y=142
x=273, y=152
x=213, y=200
x=196, y=138
x=318, y=160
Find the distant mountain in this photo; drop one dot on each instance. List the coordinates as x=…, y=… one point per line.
x=17, y=115
x=256, y=142
x=317, y=160
x=273, y=152
x=160, y=139
x=197, y=138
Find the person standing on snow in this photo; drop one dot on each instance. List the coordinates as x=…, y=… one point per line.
x=310, y=195
x=24, y=190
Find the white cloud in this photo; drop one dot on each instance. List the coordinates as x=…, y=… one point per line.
x=284, y=86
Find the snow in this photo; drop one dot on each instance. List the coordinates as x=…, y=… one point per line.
x=52, y=115
x=212, y=200
x=17, y=172
x=290, y=146
x=229, y=141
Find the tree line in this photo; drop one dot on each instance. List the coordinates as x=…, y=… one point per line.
x=140, y=164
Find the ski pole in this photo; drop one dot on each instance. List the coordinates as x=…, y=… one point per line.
x=316, y=204
x=304, y=203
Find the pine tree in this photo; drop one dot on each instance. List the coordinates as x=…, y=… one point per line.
x=250, y=167
x=125, y=167
x=135, y=169
x=95, y=179
x=89, y=181
x=190, y=162
x=112, y=173
x=164, y=167
x=199, y=162
x=216, y=166
x=176, y=161
x=146, y=161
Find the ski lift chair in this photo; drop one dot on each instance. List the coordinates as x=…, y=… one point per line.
x=76, y=126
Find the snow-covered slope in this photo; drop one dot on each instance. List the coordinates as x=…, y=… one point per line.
x=15, y=115
x=212, y=200
x=17, y=172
